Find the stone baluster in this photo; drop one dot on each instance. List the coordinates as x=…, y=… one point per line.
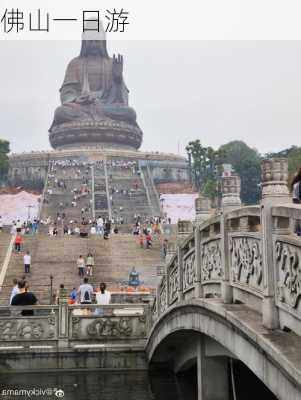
x=202, y=209
x=184, y=228
x=63, y=324
x=274, y=174
x=158, y=306
x=171, y=251
x=180, y=273
x=202, y=213
x=230, y=201
x=230, y=193
x=198, y=263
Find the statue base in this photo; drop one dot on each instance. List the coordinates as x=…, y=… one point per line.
x=105, y=134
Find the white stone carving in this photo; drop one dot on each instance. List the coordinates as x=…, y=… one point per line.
x=189, y=272
x=289, y=273
x=246, y=262
x=173, y=282
x=163, y=297
x=211, y=261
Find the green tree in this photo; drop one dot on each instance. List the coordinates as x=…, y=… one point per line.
x=246, y=163
x=205, y=163
x=4, y=162
x=294, y=159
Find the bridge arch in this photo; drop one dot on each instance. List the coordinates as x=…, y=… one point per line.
x=237, y=332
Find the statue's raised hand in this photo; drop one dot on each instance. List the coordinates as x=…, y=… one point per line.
x=117, y=67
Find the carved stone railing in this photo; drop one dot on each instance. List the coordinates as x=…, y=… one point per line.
x=211, y=269
x=188, y=273
x=226, y=247
x=41, y=327
x=249, y=255
x=172, y=288
x=162, y=296
x=245, y=250
x=246, y=262
x=63, y=325
x=111, y=322
x=287, y=254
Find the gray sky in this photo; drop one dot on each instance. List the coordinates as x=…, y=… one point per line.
x=181, y=90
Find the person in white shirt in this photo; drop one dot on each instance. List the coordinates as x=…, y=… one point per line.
x=15, y=290
x=13, y=229
x=19, y=225
x=81, y=266
x=99, y=226
x=27, y=262
x=103, y=297
x=85, y=292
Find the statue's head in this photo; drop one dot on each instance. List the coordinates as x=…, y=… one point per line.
x=94, y=41
x=94, y=48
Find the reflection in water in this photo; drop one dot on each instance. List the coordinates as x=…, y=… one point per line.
x=160, y=383
x=81, y=385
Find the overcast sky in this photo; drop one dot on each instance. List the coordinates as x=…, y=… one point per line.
x=181, y=91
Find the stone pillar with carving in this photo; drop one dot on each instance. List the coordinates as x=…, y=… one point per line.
x=198, y=263
x=230, y=192
x=202, y=209
x=184, y=228
x=170, y=251
x=63, y=324
x=230, y=201
x=180, y=273
x=274, y=175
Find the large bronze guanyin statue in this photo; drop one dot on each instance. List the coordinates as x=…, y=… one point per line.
x=94, y=99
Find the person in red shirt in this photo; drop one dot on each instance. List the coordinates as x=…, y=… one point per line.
x=148, y=239
x=18, y=242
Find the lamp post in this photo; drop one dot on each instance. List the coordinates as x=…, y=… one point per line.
x=51, y=288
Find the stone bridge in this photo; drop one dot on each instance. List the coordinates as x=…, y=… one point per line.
x=227, y=316
x=229, y=300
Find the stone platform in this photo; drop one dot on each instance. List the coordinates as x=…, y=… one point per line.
x=110, y=133
x=32, y=167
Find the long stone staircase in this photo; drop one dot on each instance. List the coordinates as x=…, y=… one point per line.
x=128, y=193
x=56, y=256
x=58, y=199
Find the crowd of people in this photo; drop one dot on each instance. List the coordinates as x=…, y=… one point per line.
x=85, y=294
x=69, y=181
x=25, y=228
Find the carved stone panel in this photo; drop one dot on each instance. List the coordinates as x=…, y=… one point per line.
x=173, y=282
x=246, y=262
x=288, y=274
x=109, y=327
x=27, y=329
x=211, y=257
x=189, y=272
x=163, y=297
